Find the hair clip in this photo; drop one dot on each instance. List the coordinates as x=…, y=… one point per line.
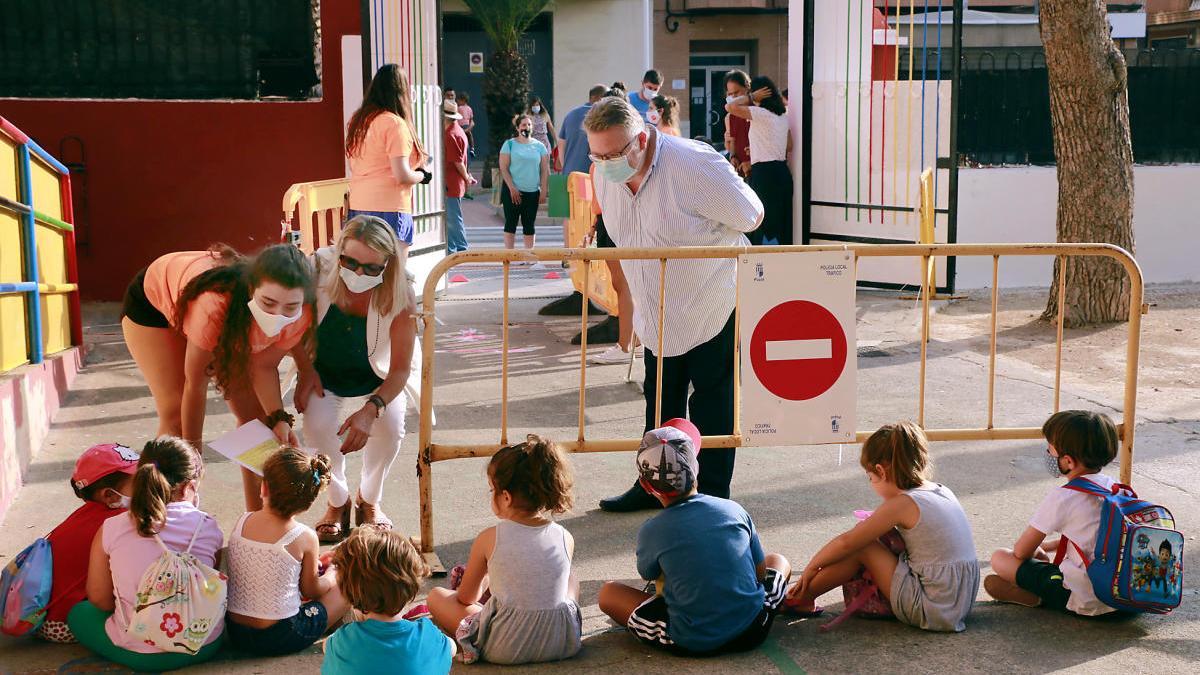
x=316, y=477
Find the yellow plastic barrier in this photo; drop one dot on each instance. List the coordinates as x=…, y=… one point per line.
x=315, y=212
x=596, y=285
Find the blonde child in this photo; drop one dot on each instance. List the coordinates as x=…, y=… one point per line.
x=162, y=512
x=379, y=572
x=524, y=561
x=932, y=585
x=273, y=563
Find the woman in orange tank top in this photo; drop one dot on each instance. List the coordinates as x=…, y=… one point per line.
x=193, y=316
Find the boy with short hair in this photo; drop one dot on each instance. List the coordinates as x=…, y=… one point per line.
x=719, y=592
x=102, y=478
x=1080, y=444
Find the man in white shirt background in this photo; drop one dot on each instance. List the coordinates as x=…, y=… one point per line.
x=661, y=191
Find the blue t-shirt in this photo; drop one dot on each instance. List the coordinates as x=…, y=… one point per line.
x=525, y=163
x=388, y=648
x=642, y=105
x=576, y=158
x=708, y=551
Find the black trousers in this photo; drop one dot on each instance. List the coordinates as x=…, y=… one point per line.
x=708, y=369
x=526, y=211
x=772, y=182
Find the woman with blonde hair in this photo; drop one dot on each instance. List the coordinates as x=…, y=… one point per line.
x=366, y=331
x=386, y=157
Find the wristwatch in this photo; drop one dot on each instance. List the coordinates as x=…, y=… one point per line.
x=278, y=416
x=378, y=402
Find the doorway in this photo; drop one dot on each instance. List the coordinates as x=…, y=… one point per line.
x=706, y=92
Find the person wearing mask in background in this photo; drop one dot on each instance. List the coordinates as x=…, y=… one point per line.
x=467, y=122
x=660, y=191
x=666, y=109
x=641, y=100
x=771, y=141
x=737, y=129
x=543, y=126
x=525, y=168
x=448, y=94
x=457, y=176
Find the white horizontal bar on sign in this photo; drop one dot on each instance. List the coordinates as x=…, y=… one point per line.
x=795, y=350
x=888, y=37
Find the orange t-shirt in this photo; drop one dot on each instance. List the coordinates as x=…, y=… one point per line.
x=372, y=186
x=165, y=280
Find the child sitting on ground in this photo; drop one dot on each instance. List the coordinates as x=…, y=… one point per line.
x=720, y=592
x=1079, y=445
x=378, y=573
x=273, y=561
x=932, y=585
x=102, y=479
x=162, y=514
x=524, y=561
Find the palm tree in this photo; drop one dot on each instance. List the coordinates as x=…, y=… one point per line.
x=506, y=75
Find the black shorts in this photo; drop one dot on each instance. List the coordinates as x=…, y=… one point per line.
x=602, y=238
x=650, y=622
x=1044, y=580
x=286, y=636
x=138, y=307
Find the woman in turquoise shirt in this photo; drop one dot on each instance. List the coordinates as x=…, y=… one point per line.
x=525, y=167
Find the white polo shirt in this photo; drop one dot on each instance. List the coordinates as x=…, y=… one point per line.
x=689, y=197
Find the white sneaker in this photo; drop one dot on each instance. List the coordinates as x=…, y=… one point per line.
x=614, y=354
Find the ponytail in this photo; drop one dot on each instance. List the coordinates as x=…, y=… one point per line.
x=902, y=450
x=294, y=479
x=166, y=464
x=536, y=473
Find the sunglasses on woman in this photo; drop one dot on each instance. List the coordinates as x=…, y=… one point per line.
x=369, y=269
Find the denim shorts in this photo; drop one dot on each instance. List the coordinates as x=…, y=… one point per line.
x=287, y=636
x=402, y=223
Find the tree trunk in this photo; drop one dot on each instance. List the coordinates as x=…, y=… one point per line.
x=1089, y=114
x=505, y=92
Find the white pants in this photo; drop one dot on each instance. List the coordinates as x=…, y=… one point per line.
x=323, y=417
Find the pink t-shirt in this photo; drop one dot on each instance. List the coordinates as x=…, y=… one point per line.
x=467, y=115
x=129, y=554
x=372, y=186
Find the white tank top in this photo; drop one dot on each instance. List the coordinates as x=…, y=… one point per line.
x=264, y=579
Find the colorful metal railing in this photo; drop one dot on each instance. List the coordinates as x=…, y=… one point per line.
x=39, y=275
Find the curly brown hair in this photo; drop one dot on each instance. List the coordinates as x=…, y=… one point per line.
x=378, y=571
x=166, y=463
x=536, y=473
x=294, y=478
x=903, y=452
x=237, y=278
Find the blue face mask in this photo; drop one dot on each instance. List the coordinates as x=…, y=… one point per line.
x=615, y=170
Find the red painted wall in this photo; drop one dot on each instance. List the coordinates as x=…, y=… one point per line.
x=167, y=176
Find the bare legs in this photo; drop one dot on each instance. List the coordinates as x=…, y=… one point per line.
x=624, y=304
x=878, y=560
x=158, y=353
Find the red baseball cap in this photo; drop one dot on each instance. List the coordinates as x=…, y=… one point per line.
x=101, y=460
x=686, y=427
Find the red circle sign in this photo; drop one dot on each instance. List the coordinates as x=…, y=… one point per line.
x=798, y=350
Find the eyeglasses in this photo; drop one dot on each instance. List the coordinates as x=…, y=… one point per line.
x=605, y=158
x=368, y=269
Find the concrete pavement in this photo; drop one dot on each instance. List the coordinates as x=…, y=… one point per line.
x=799, y=497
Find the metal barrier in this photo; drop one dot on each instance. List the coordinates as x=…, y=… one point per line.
x=430, y=452
x=39, y=278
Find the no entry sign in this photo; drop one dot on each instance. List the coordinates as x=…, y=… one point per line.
x=797, y=328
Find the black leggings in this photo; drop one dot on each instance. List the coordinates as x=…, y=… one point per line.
x=526, y=210
x=772, y=182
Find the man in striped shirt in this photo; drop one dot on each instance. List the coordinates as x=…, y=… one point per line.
x=663, y=191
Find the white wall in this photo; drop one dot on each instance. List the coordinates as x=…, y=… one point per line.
x=1018, y=204
x=598, y=42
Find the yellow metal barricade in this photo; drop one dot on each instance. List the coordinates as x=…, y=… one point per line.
x=596, y=283
x=430, y=452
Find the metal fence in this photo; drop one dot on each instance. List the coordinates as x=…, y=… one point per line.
x=430, y=452
x=1004, y=112
x=159, y=49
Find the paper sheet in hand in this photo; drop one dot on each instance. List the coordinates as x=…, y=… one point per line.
x=248, y=445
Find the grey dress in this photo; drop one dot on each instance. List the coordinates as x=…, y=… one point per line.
x=937, y=578
x=531, y=616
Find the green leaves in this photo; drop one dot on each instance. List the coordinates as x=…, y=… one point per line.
x=505, y=20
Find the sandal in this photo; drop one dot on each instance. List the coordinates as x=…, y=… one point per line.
x=331, y=531
x=370, y=515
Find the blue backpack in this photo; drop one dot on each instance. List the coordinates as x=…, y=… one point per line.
x=25, y=589
x=1138, y=562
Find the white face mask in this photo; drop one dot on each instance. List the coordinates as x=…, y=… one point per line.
x=359, y=283
x=652, y=116
x=122, y=503
x=536, y=109
x=649, y=93
x=271, y=324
